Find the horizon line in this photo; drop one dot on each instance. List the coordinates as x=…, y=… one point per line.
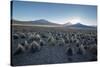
x=50, y=22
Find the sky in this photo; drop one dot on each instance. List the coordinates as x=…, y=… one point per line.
x=56, y=13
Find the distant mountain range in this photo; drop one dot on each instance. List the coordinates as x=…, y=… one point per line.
x=81, y=26
x=46, y=22
x=43, y=22
x=36, y=22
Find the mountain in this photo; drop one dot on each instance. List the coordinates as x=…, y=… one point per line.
x=67, y=24
x=35, y=22
x=43, y=22
x=80, y=26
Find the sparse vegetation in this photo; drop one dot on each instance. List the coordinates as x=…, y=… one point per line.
x=72, y=43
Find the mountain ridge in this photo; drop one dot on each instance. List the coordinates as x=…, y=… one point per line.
x=46, y=22
x=35, y=22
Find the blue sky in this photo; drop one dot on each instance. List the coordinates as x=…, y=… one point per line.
x=57, y=13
